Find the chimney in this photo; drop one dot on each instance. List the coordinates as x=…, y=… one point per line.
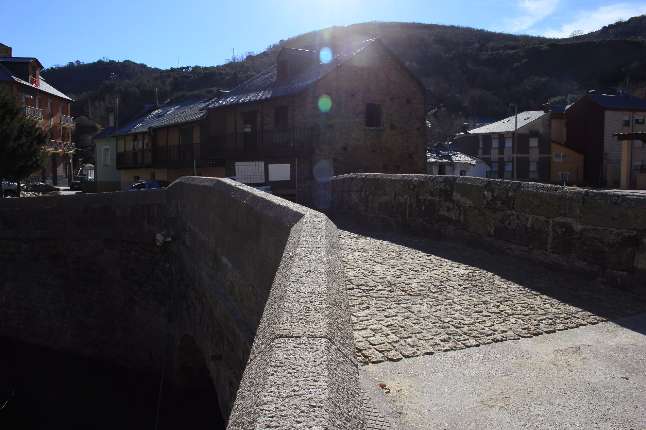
x=5, y=51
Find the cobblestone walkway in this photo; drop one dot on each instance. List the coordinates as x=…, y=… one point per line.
x=413, y=297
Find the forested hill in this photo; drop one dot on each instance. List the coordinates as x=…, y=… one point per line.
x=468, y=72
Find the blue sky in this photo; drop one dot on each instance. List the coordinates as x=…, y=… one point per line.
x=204, y=32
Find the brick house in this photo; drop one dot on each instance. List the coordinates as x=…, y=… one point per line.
x=319, y=113
x=313, y=115
x=20, y=77
x=593, y=123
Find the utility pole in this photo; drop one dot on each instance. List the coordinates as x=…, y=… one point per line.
x=513, y=143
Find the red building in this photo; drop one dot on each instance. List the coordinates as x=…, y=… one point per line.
x=20, y=76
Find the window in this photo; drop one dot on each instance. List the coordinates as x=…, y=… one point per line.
x=463, y=172
x=441, y=169
x=480, y=145
x=533, y=170
x=106, y=155
x=533, y=142
x=493, y=172
x=509, y=142
x=509, y=168
x=559, y=156
x=565, y=177
x=186, y=136
x=281, y=118
x=626, y=121
x=373, y=115
x=494, y=143
x=639, y=120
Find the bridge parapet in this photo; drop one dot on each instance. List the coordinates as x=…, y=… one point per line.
x=248, y=278
x=603, y=232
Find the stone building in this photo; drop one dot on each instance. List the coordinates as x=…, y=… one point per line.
x=20, y=77
x=593, y=122
x=317, y=113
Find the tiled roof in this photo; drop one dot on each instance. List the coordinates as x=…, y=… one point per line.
x=508, y=124
x=440, y=154
x=264, y=85
x=6, y=75
x=170, y=114
x=619, y=101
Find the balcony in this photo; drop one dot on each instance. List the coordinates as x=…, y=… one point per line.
x=58, y=146
x=67, y=121
x=33, y=113
x=134, y=159
x=232, y=146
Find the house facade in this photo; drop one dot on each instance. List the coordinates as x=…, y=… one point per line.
x=440, y=160
x=593, y=123
x=107, y=177
x=310, y=118
x=20, y=77
x=315, y=114
x=517, y=147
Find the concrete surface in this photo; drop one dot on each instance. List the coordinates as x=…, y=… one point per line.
x=587, y=378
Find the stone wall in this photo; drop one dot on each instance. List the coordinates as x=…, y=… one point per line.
x=249, y=279
x=602, y=232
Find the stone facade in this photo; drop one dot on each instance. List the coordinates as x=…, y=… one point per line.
x=595, y=231
x=337, y=139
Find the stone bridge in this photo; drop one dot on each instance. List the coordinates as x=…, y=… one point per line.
x=292, y=316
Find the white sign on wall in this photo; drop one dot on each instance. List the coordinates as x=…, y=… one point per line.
x=279, y=172
x=250, y=172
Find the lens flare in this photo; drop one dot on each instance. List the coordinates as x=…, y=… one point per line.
x=325, y=55
x=325, y=103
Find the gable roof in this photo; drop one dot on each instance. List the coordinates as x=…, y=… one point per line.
x=618, y=101
x=509, y=124
x=169, y=114
x=264, y=86
x=7, y=76
x=441, y=154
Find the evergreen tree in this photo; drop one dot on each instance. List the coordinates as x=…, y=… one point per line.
x=21, y=141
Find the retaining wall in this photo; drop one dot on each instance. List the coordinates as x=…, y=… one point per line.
x=250, y=279
x=603, y=232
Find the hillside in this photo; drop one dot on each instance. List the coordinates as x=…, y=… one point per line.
x=468, y=72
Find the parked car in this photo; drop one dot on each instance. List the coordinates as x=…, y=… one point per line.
x=8, y=188
x=147, y=185
x=41, y=187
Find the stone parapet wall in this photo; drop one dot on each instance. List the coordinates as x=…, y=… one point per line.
x=603, y=232
x=251, y=280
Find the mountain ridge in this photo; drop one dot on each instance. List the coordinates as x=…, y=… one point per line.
x=468, y=72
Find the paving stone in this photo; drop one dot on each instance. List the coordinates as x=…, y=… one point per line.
x=410, y=297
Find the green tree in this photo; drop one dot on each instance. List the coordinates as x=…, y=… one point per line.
x=21, y=141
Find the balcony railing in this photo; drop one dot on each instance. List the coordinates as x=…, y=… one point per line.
x=232, y=146
x=33, y=113
x=67, y=121
x=137, y=158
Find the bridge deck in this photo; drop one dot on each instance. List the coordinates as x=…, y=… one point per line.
x=410, y=298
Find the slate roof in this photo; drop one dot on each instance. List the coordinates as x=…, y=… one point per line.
x=441, y=154
x=170, y=114
x=264, y=86
x=507, y=125
x=618, y=101
x=6, y=75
